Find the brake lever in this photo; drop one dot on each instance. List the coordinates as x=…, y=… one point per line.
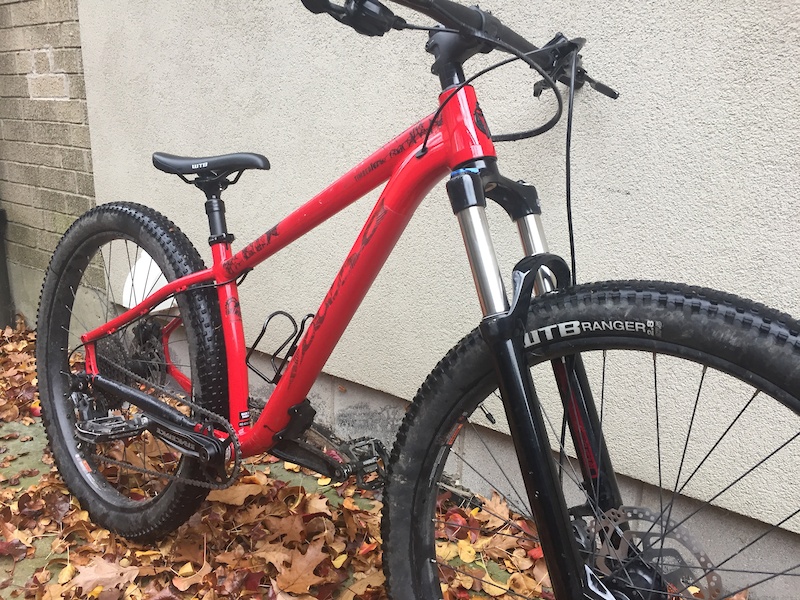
x=602, y=88
x=367, y=17
x=582, y=77
x=370, y=17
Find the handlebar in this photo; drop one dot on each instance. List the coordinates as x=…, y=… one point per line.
x=457, y=16
x=371, y=17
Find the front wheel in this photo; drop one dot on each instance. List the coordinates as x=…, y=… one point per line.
x=698, y=396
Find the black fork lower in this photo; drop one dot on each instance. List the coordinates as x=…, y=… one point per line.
x=539, y=470
x=569, y=574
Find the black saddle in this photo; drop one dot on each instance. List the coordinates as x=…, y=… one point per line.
x=223, y=165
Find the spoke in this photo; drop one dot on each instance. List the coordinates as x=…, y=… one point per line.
x=109, y=285
x=671, y=596
x=147, y=277
x=717, y=443
x=77, y=318
x=735, y=481
x=660, y=470
x=730, y=426
x=783, y=573
x=519, y=509
x=765, y=533
x=745, y=547
x=729, y=570
x=772, y=576
x=688, y=436
x=666, y=520
x=494, y=459
x=132, y=295
x=602, y=439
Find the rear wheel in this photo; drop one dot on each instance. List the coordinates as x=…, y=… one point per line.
x=698, y=395
x=109, y=260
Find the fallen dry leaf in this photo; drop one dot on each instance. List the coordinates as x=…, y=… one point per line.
x=102, y=573
x=359, y=587
x=235, y=495
x=184, y=583
x=300, y=577
x=66, y=574
x=14, y=548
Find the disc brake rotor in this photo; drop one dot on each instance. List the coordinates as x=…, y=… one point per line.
x=633, y=535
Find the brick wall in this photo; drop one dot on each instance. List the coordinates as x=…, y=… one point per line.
x=45, y=161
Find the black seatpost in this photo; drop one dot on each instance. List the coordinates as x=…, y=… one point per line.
x=215, y=209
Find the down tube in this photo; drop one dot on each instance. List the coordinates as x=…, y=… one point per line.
x=387, y=221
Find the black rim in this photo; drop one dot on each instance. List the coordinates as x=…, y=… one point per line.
x=134, y=348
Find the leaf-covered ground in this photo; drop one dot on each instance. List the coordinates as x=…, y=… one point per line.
x=279, y=533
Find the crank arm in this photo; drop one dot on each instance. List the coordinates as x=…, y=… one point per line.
x=167, y=423
x=311, y=457
x=205, y=448
x=357, y=457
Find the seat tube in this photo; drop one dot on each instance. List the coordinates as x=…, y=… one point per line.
x=232, y=329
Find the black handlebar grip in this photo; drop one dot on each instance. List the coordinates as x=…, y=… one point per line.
x=317, y=6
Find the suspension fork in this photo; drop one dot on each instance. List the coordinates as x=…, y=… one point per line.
x=576, y=395
x=503, y=329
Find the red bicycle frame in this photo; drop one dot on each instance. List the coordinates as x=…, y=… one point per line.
x=455, y=138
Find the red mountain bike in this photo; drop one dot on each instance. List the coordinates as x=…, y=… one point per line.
x=660, y=413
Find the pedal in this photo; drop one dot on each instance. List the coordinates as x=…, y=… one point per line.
x=370, y=457
x=108, y=429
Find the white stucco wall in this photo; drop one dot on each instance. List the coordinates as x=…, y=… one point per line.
x=691, y=175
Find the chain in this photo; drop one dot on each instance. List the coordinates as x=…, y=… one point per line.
x=212, y=416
